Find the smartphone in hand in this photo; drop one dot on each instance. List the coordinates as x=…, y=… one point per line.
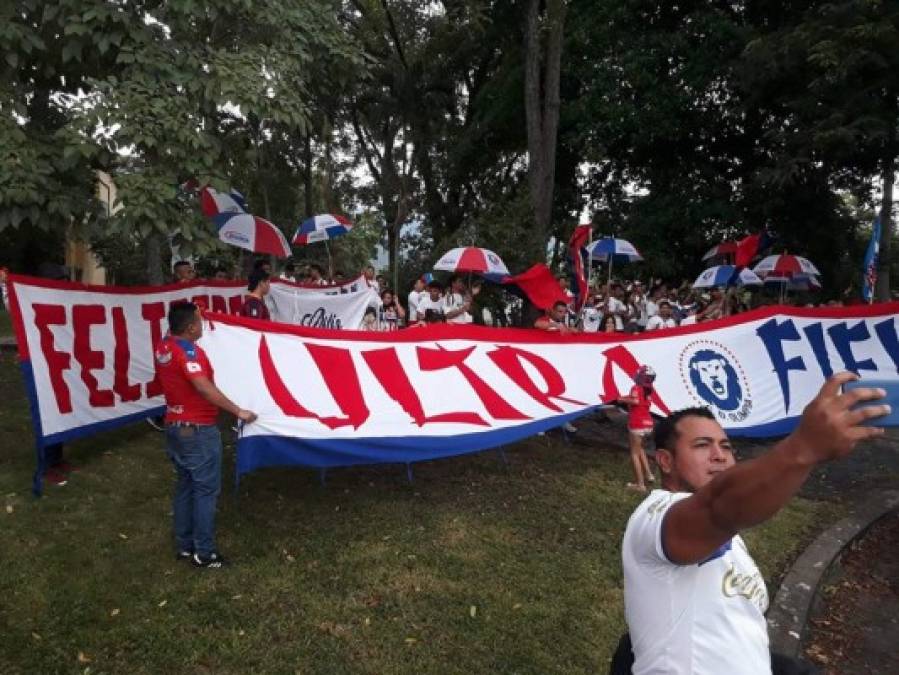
x=891, y=387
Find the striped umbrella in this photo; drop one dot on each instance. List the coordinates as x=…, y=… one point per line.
x=797, y=282
x=321, y=228
x=471, y=259
x=785, y=265
x=252, y=233
x=726, y=275
x=214, y=203
x=719, y=250
x=611, y=250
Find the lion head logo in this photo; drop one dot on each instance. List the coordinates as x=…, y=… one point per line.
x=715, y=380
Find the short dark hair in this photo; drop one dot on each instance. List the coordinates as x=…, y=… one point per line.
x=665, y=434
x=557, y=303
x=436, y=284
x=180, y=263
x=317, y=268
x=256, y=277
x=260, y=263
x=181, y=315
x=664, y=303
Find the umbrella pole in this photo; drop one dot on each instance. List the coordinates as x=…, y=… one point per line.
x=611, y=258
x=330, y=266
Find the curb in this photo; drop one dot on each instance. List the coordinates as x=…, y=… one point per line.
x=788, y=616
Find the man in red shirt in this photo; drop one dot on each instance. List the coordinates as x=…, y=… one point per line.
x=254, y=306
x=193, y=442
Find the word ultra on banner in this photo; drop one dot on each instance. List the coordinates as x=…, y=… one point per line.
x=335, y=398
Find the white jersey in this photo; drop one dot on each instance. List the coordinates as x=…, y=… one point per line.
x=656, y=322
x=412, y=303
x=592, y=319
x=426, y=303
x=701, y=619
x=617, y=308
x=454, y=301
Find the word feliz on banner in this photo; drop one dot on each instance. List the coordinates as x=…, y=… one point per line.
x=328, y=398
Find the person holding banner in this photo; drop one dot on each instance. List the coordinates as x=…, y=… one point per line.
x=193, y=441
x=694, y=598
x=259, y=284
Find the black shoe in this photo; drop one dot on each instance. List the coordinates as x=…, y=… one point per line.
x=184, y=555
x=213, y=560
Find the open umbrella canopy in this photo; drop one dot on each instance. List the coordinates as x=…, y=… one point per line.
x=616, y=250
x=785, y=265
x=722, y=249
x=321, y=228
x=252, y=233
x=471, y=259
x=726, y=275
x=214, y=203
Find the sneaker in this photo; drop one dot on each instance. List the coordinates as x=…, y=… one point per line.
x=55, y=477
x=570, y=428
x=184, y=555
x=157, y=423
x=213, y=560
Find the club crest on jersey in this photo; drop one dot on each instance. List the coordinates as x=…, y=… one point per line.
x=714, y=378
x=163, y=358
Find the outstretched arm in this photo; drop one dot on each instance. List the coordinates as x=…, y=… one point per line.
x=753, y=491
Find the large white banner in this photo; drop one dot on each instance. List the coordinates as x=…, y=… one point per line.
x=329, y=398
x=338, y=308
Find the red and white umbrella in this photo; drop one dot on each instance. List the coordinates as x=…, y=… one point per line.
x=785, y=265
x=471, y=259
x=214, y=203
x=252, y=233
x=722, y=249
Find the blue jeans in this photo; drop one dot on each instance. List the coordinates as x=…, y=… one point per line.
x=196, y=452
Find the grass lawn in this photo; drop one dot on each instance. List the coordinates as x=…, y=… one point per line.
x=474, y=568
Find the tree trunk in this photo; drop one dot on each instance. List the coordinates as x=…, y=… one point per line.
x=542, y=103
x=307, y=161
x=154, y=259
x=888, y=175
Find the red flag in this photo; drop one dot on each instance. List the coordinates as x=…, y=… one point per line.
x=578, y=240
x=539, y=284
x=747, y=248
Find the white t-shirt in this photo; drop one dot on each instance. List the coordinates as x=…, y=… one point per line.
x=688, y=320
x=412, y=303
x=655, y=322
x=615, y=306
x=702, y=619
x=592, y=319
x=456, y=301
x=425, y=303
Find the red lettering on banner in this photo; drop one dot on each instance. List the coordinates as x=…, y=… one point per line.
x=621, y=357
x=333, y=367
x=441, y=359
x=201, y=301
x=385, y=365
x=57, y=361
x=337, y=368
x=508, y=360
x=219, y=305
x=154, y=313
x=122, y=358
x=83, y=317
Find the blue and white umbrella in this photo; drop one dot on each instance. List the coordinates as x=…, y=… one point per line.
x=609, y=249
x=726, y=275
